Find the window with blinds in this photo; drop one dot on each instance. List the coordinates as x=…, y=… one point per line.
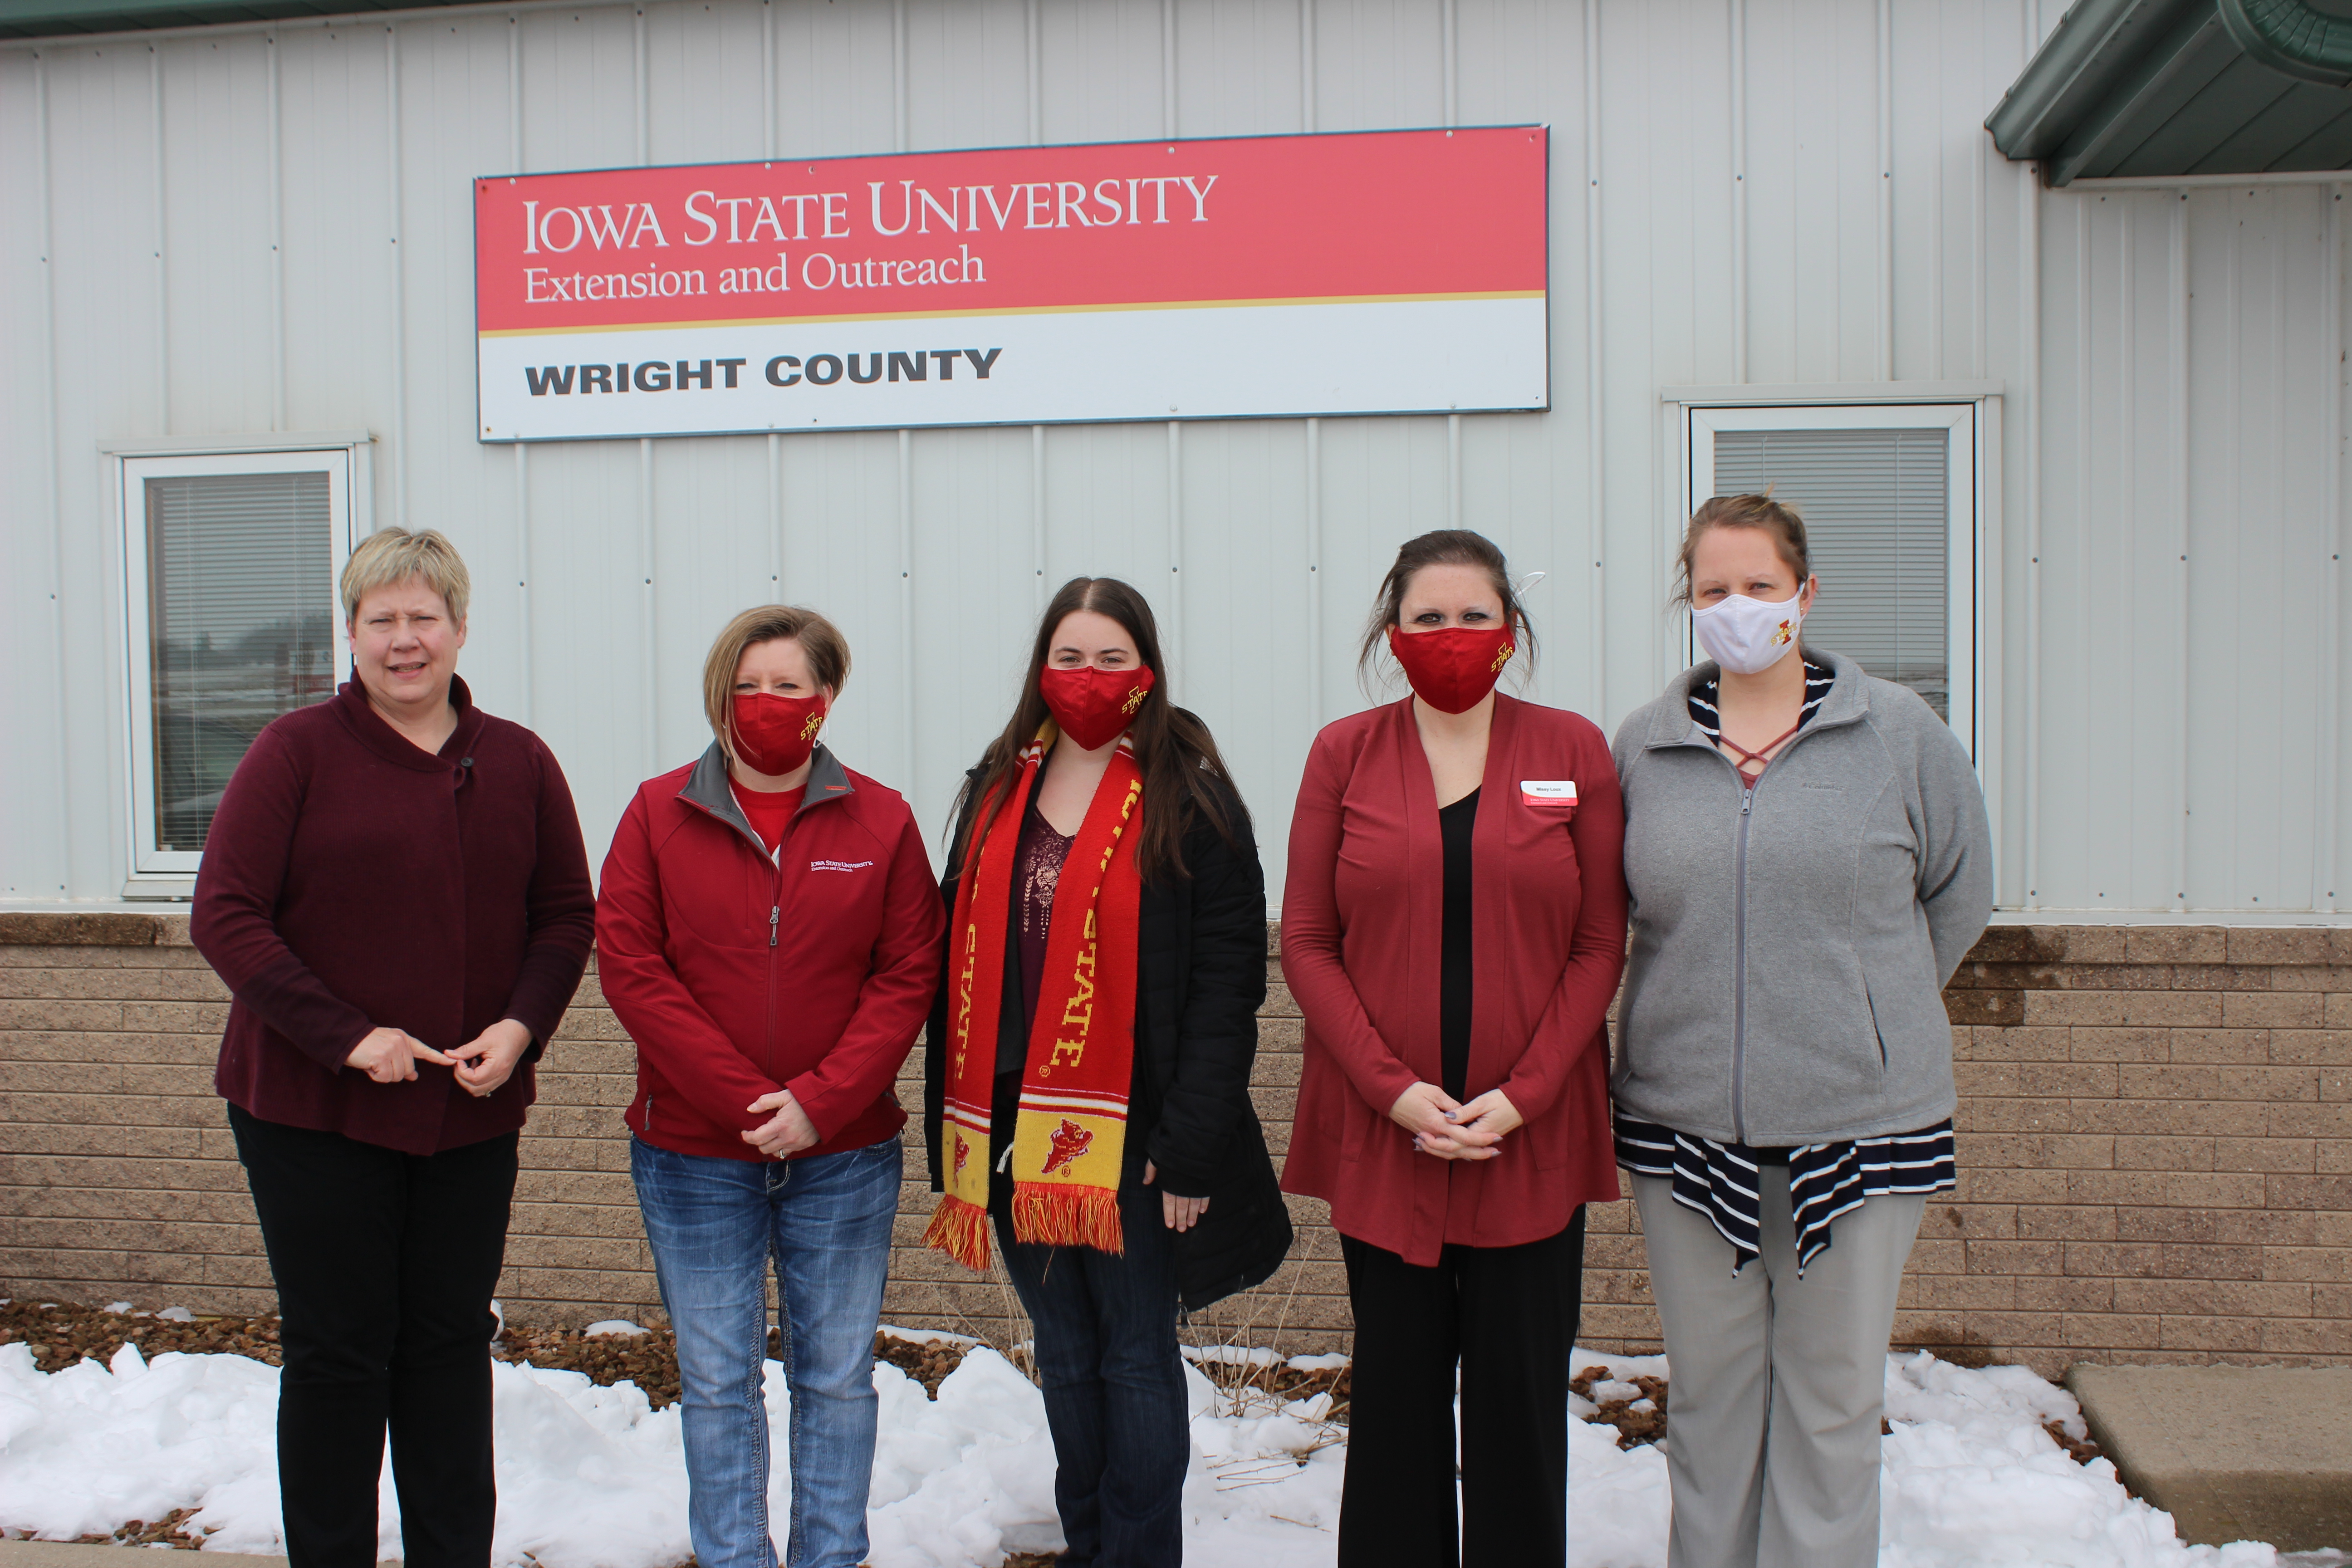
x=1877, y=510
x=240, y=628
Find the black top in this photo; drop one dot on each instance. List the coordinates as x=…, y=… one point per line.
x=1037, y=857
x=1454, y=825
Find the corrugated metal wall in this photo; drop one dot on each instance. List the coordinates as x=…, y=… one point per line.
x=249, y=230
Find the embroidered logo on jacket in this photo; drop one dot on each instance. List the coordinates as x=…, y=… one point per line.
x=839, y=865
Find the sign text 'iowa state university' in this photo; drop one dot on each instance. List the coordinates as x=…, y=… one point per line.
x=1363, y=273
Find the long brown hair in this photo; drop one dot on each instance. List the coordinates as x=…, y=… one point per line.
x=1173, y=748
x=1443, y=547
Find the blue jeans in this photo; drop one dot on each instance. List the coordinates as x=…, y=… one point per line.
x=1114, y=1386
x=714, y=1225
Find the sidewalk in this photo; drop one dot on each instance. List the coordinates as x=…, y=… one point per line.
x=64, y=1555
x=2233, y=1453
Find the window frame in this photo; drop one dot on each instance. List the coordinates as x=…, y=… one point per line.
x=1970, y=415
x=342, y=458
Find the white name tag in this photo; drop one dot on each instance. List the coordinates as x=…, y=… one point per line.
x=1547, y=792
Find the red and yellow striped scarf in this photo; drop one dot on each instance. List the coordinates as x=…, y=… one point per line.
x=1070, y=1136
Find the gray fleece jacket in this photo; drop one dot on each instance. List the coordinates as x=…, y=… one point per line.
x=1790, y=949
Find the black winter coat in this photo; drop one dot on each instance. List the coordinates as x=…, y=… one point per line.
x=1200, y=981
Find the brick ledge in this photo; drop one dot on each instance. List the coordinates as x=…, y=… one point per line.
x=90, y=928
x=2006, y=944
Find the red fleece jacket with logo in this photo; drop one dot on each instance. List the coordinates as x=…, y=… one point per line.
x=737, y=974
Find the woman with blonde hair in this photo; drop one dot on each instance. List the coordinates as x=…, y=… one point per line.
x=1809, y=859
x=396, y=894
x=768, y=934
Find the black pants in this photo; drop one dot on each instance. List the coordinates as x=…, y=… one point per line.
x=1508, y=1316
x=384, y=1264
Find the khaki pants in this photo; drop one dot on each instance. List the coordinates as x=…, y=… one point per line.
x=1777, y=1383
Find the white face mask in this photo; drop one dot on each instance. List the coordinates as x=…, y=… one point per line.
x=1749, y=636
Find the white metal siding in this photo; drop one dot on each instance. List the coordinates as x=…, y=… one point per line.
x=2161, y=734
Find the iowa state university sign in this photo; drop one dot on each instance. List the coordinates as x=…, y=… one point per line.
x=1381, y=272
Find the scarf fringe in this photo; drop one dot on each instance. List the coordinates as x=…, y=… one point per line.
x=960, y=1229
x=1067, y=1217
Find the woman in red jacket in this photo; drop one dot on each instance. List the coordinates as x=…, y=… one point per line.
x=768, y=934
x=1457, y=839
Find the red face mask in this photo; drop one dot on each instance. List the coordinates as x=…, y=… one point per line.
x=1453, y=668
x=776, y=733
x=1093, y=707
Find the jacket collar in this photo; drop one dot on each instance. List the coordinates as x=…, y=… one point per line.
x=1670, y=720
x=352, y=705
x=707, y=786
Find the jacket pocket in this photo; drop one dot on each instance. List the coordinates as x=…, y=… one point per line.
x=1356, y=1129
x=1552, y=1136
x=1915, y=1033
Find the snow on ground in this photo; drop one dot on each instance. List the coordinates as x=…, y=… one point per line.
x=593, y=1478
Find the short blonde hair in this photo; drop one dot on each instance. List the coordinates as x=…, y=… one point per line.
x=390, y=555
x=820, y=640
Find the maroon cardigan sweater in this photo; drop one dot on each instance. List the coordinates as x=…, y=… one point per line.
x=351, y=882
x=1362, y=932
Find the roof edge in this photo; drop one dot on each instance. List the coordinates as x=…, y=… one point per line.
x=32, y=23
x=2093, y=47
x=2292, y=38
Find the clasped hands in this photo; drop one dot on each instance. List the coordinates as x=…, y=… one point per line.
x=787, y=1131
x=1442, y=1126
x=390, y=1056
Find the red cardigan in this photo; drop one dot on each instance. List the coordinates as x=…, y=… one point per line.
x=351, y=881
x=1361, y=935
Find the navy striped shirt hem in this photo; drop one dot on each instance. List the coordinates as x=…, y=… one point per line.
x=1718, y=1180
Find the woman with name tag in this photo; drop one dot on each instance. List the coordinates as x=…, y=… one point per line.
x=1087, y=1080
x=767, y=933
x=1454, y=927
x=1810, y=860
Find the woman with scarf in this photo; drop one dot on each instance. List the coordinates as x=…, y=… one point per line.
x=1087, y=1077
x=1452, y=927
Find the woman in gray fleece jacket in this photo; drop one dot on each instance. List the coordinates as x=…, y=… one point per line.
x=1809, y=859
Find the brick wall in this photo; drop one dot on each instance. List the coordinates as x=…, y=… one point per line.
x=2156, y=1147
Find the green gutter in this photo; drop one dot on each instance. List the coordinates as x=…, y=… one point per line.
x=66, y=18
x=2291, y=38
x=2180, y=66
x=2095, y=47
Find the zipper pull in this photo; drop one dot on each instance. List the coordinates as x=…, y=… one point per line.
x=1746, y=798
x=775, y=914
